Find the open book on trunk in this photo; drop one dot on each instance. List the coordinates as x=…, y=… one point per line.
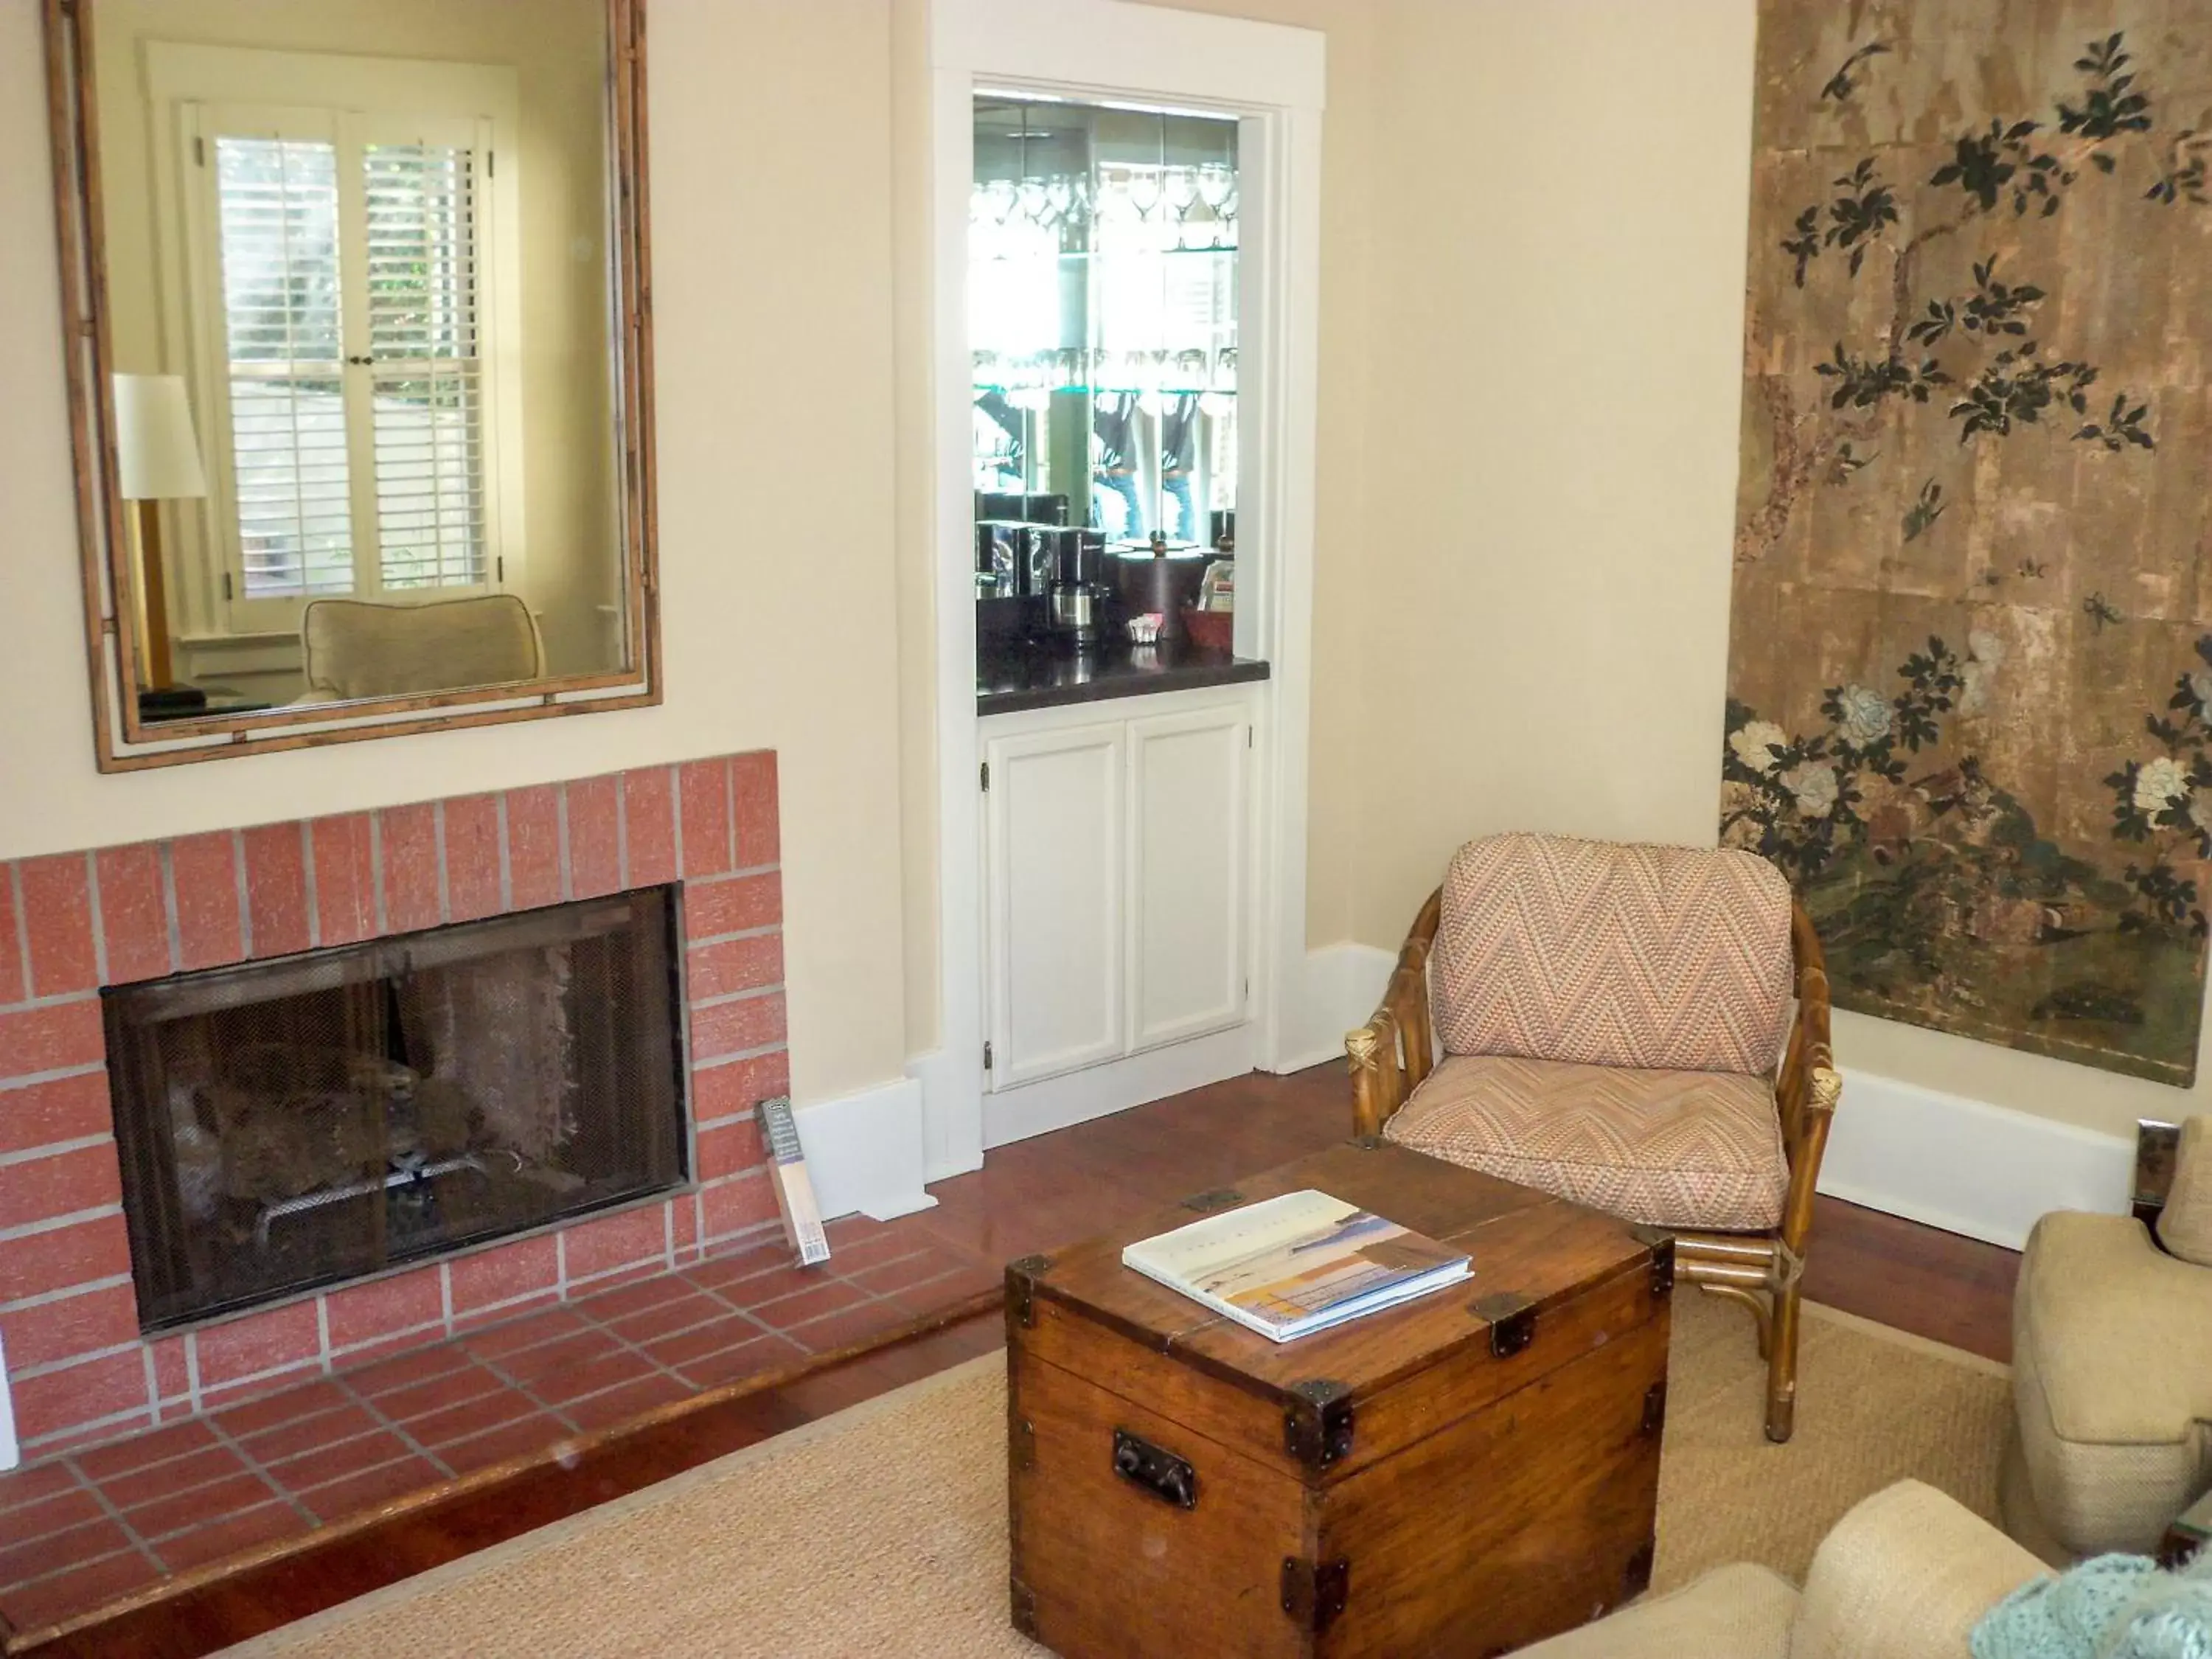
x=1295, y=1264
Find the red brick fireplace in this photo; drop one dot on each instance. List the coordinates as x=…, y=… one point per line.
x=78, y=1367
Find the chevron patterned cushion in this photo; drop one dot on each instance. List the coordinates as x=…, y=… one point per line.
x=1613, y=955
x=1674, y=1149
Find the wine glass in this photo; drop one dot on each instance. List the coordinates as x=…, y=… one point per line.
x=1181, y=189
x=1215, y=184
x=1144, y=192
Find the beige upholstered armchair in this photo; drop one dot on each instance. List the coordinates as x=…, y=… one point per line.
x=2112, y=1362
x=1906, y=1574
x=354, y=649
x=1610, y=1019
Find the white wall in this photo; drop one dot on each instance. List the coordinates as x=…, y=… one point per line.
x=767, y=119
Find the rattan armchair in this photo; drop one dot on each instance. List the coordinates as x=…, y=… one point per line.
x=1394, y=1052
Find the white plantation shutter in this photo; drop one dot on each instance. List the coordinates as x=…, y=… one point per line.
x=278, y=219
x=352, y=303
x=423, y=346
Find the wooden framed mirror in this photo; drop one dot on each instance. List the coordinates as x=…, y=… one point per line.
x=359, y=328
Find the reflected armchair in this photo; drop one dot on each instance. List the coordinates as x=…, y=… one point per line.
x=355, y=648
x=1609, y=1017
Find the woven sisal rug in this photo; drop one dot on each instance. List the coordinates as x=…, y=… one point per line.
x=882, y=1530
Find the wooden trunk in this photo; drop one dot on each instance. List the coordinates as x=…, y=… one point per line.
x=1463, y=1475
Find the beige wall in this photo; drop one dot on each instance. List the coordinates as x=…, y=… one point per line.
x=557, y=50
x=778, y=615
x=1560, y=205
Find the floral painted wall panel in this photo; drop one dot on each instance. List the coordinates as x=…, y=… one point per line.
x=1970, y=662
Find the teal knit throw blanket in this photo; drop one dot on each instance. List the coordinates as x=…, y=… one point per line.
x=2115, y=1607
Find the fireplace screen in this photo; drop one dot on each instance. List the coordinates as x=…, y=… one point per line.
x=291, y=1123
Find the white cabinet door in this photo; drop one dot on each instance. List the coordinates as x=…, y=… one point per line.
x=1053, y=861
x=1187, y=866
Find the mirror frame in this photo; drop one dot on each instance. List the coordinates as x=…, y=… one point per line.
x=123, y=741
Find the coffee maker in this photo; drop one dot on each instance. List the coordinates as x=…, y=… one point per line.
x=1075, y=602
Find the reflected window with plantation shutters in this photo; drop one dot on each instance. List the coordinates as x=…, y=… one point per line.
x=422, y=348
x=353, y=317
x=279, y=229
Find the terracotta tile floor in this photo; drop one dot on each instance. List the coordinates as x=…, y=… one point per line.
x=83, y=1528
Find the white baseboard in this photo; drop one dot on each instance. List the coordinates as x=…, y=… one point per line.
x=1343, y=984
x=952, y=1117
x=1965, y=1165
x=863, y=1151
x=1055, y=1103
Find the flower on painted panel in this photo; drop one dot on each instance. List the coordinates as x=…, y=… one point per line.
x=1758, y=744
x=1814, y=787
x=1865, y=718
x=2160, y=785
x=2200, y=687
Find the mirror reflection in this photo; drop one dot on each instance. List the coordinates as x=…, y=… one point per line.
x=358, y=301
x=1103, y=287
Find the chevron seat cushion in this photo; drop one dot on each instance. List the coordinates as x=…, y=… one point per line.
x=1674, y=1148
x=1605, y=954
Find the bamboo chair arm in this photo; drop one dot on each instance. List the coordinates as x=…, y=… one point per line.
x=1809, y=1085
x=1392, y=1053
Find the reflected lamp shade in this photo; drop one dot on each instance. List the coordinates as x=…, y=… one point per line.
x=157, y=455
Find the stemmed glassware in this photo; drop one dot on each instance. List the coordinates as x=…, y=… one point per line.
x=1144, y=191
x=1217, y=185
x=1181, y=189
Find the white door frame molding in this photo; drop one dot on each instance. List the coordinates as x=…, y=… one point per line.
x=1271, y=77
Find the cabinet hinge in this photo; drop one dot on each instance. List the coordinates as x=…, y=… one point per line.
x=987, y=776
x=226, y=587
x=986, y=1056
x=499, y=569
x=199, y=152
x=1247, y=736
x=491, y=164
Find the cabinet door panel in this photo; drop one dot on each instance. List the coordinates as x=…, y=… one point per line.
x=1055, y=864
x=1186, y=776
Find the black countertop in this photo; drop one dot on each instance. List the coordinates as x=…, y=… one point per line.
x=1014, y=675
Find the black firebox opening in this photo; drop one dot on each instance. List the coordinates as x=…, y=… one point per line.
x=300, y=1121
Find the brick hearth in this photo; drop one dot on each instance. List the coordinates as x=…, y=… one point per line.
x=69, y=924
x=80, y=1530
